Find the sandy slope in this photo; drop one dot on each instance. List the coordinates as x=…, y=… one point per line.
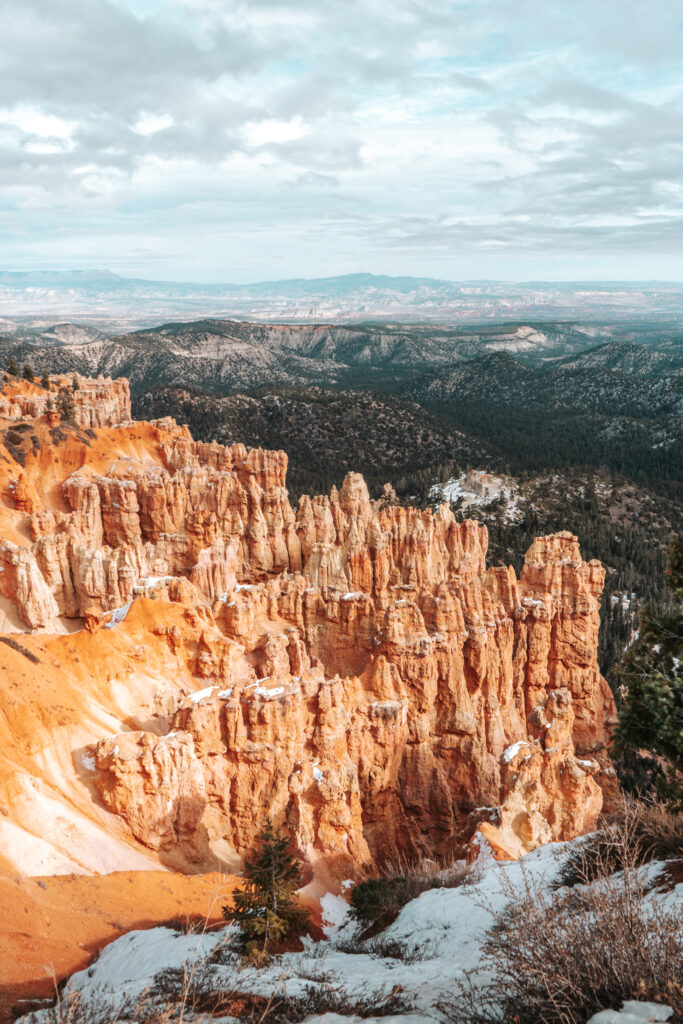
x=60, y=922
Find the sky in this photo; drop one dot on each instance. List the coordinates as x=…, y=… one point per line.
x=212, y=140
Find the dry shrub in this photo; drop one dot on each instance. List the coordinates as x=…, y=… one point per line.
x=377, y=902
x=186, y=924
x=197, y=992
x=327, y=995
x=193, y=988
x=643, y=829
x=396, y=949
x=75, y=1008
x=386, y=949
x=560, y=958
x=421, y=875
x=176, y=996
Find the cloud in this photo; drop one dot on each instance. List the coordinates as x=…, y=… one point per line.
x=209, y=135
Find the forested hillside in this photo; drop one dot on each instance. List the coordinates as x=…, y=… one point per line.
x=326, y=433
x=576, y=414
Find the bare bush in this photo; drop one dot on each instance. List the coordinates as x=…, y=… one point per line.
x=560, y=958
x=386, y=949
x=199, y=1000
x=641, y=829
x=188, y=924
x=76, y=1008
x=395, y=949
x=424, y=874
x=195, y=987
x=202, y=991
x=327, y=995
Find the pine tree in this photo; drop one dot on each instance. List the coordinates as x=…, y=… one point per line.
x=65, y=406
x=45, y=382
x=74, y=383
x=28, y=372
x=267, y=909
x=12, y=367
x=651, y=679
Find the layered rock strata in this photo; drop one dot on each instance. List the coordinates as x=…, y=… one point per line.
x=350, y=668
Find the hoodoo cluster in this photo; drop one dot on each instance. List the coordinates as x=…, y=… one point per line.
x=351, y=667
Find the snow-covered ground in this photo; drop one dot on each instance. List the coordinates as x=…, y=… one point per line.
x=633, y=1013
x=117, y=616
x=476, y=489
x=626, y=600
x=441, y=935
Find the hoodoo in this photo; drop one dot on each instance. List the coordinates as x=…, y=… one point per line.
x=197, y=654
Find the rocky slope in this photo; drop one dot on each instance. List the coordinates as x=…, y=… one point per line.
x=196, y=654
x=627, y=357
x=39, y=331
x=62, y=920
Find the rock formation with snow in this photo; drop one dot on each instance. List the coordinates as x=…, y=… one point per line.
x=351, y=667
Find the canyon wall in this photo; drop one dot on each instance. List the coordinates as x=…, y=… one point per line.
x=351, y=668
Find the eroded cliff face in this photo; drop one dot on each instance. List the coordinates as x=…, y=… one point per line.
x=97, y=403
x=351, y=669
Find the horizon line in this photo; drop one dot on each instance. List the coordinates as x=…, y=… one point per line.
x=93, y=271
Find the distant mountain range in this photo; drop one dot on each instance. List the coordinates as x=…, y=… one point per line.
x=115, y=303
x=221, y=356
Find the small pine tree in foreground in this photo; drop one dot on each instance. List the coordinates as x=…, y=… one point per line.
x=651, y=675
x=45, y=382
x=267, y=910
x=28, y=373
x=12, y=367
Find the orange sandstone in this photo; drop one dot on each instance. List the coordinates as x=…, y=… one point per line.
x=351, y=667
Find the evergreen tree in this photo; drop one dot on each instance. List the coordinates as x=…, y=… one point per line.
x=652, y=687
x=65, y=406
x=28, y=372
x=45, y=382
x=267, y=910
x=74, y=383
x=12, y=367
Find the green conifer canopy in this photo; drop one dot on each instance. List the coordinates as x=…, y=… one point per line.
x=267, y=910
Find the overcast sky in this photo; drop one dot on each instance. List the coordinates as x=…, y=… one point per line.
x=220, y=141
